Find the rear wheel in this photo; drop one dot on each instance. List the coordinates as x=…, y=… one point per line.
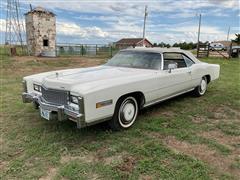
x=125, y=114
x=201, y=89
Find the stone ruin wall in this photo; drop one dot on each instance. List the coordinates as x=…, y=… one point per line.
x=40, y=26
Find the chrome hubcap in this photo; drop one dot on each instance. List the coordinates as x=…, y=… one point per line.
x=128, y=112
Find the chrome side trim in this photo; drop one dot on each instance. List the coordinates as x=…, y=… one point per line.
x=24, y=85
x=107, y=118
x=169, y=85
x=166, y=98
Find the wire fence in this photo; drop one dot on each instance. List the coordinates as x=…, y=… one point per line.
x=91, y=50
x=99, y=50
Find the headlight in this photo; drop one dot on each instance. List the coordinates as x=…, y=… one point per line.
x=74, y=99
x=37, y=87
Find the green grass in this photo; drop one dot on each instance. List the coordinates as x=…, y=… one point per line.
x=5, y=50
x=32, y=147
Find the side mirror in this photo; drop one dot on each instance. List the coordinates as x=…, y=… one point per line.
x=171, y=67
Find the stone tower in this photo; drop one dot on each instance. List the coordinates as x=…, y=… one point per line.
x=41, y=32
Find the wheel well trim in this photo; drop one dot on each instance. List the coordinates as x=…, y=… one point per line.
x=208, y=78
x=138, y=95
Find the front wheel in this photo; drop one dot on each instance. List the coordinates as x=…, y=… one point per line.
x=201, y=89
x=125, y=114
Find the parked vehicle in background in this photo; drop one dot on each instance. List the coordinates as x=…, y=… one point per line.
x=131, y=80
x=235, y=51
x=217, y=47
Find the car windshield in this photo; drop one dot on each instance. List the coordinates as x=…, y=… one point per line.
x=136, y=59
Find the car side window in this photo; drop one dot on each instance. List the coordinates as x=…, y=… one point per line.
x=188, y=61
x=174, y=58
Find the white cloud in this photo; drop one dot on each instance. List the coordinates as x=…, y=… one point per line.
x=185, y=37
x=134, y=8
x=72, y=29
x=226, y=3
x=107, y=7
x=124, y=18
x=193, y=29
x=94, y=18
x=219, y=12
x=179, y=33
x=2, y=25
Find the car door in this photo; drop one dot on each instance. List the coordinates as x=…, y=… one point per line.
x=193, y=70
x=179, y=79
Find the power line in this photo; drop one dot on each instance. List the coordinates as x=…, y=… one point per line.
x=14, y=25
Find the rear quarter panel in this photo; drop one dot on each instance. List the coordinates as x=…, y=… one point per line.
x=202, y=69
x=214, y=71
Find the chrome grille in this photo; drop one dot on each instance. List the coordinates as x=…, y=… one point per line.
x=55, y=96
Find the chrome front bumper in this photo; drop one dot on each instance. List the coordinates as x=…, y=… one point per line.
x=61, y=111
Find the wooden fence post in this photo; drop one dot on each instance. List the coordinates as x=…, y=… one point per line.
x=82, y=49
x=230, y=51
x=111, y=50
x=208, y=49
x=96, y=49
x=198, y=51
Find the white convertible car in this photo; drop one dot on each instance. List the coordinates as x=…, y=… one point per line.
x=133, y=79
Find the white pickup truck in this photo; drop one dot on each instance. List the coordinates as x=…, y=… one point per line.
x=131, y=80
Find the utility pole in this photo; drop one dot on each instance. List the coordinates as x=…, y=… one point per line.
x=199, y=29
x=228, y=33
x=145, y=17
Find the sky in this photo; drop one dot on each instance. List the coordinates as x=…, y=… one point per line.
x=105, y=21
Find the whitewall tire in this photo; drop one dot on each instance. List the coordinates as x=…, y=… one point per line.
x=125, y=114
x=201, y=89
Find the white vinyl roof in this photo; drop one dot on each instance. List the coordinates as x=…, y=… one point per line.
x=164, y=50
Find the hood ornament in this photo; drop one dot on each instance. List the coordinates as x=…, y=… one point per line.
x=57, y=74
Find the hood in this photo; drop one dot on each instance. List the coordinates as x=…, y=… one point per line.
x=89, y=78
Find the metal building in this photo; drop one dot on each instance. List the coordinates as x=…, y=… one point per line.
x=41, y=32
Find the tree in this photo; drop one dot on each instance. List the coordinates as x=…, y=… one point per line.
x=162, y=44
x=185, y=45
x=176, y=45
x=237, y=39
x=168, y=45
